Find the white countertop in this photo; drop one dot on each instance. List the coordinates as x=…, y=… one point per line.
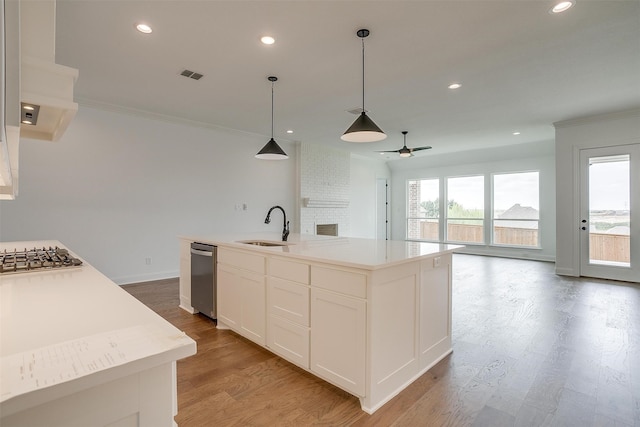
x=370, y=254
x=42, y=312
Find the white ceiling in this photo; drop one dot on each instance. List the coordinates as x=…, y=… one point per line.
x=521, y=68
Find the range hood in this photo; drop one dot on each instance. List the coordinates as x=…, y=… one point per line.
x=48, y=89
x=37, y=90
x=10, y=99
x=45, y=86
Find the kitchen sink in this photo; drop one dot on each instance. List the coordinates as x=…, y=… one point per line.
x=263, y=243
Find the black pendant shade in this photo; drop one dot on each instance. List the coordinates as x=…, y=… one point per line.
x=363, y=128
x=271, y=150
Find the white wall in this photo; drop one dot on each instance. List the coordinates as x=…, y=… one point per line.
x=521, y=157
x=364, y=173
x=590, y=132
x=118, y=189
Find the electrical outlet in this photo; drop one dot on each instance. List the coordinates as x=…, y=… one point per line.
x=436, y=262
x=148, y=260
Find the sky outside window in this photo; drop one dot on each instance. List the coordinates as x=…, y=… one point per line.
x=521, y=188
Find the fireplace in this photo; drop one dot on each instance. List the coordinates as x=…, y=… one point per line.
x=327, y=229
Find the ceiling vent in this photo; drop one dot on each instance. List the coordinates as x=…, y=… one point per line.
x=191, y=74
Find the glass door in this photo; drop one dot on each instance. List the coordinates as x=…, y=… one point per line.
x=610, y=213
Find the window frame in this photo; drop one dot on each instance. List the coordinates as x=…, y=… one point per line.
x=438, y=219
x=493, y=219
x=446, y=217
x=488, y=219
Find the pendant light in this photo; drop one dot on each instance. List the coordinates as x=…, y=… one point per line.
x=363, y=128
x=272, y=151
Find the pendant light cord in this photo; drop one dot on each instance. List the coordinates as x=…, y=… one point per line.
x=362, y=74
x=271, y=110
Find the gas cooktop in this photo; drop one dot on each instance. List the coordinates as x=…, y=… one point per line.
x=36, y=259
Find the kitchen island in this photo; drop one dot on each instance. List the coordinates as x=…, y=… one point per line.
x=77, y=350
x=369, y=316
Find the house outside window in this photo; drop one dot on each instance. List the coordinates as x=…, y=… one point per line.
x=516, y=214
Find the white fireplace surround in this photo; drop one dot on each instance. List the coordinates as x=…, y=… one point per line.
x=309, y=202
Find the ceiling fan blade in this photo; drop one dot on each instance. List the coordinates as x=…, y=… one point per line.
x=420, y=148
x=391, y=151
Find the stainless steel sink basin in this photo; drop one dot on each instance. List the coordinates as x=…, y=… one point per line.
x=263, y=243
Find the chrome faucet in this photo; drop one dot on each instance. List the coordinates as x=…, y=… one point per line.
x=285, y=230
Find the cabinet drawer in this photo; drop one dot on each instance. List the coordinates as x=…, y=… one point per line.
x=341, y=281
x=289, y=300
x=294, y=271
x=289, y=340
x=242, y=260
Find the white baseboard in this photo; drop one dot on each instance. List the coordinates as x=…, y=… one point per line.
x=566, y=272
x=127, y=280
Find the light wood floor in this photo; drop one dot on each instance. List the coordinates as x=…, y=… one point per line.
x=529, y=349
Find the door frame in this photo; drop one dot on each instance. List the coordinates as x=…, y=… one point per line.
x=632, y=273
x=382, y=209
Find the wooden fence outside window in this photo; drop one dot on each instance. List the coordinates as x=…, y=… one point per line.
x=602, y=246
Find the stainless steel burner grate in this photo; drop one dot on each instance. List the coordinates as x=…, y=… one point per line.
x=36, y=260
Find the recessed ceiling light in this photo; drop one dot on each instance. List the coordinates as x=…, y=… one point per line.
x=144, y=28
x=289, y=131
x=455, y=86
x=516, y=133
x=268, y=40
x=562, y=6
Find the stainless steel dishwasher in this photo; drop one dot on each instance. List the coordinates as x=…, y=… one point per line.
x=203, y=278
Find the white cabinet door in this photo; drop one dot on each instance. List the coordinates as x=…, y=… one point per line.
x=242, y=301
x=289, y=340
x=229, y=296
x=338, y=329
x=253, y=302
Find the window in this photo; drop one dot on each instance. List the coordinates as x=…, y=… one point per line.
x=465, y=209
x=509, y=216
x=423, y=209
x=516, y=209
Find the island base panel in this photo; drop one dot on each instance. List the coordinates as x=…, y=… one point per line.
x=145, y=399
x=370, y=405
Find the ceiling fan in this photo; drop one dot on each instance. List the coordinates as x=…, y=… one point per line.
x=404, y=151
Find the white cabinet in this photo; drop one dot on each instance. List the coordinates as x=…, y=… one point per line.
x=289, y=340
x=339, y=328
x=368, y=331
x=288, y=310
x=229, y=297
x=242, y=294
x=185, y=276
